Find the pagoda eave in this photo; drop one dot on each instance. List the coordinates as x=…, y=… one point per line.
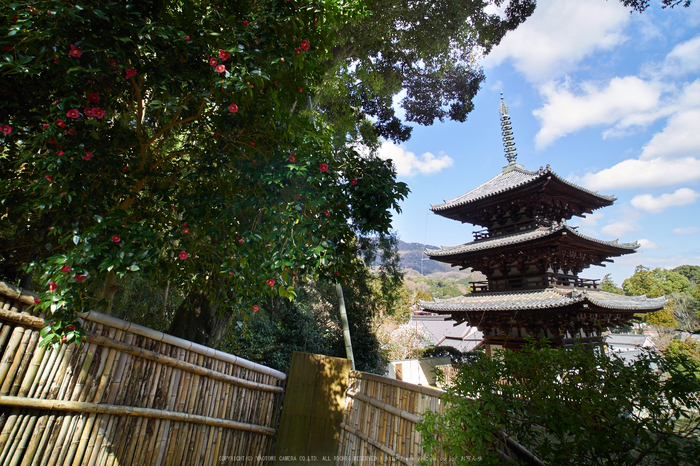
x=561, y=241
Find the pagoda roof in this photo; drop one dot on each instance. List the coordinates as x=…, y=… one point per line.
x=548, y=298
x=514, y=179
x=523, y=237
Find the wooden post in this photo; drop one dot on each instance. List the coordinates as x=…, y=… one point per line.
x=313, y=409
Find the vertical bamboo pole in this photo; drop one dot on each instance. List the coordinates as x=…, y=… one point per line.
x=105, y=370
x=346, y=326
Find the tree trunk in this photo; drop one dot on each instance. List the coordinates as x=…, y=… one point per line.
x=198, y=319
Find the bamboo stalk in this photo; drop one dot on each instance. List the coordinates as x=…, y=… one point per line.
x=26, y=359
x=179, y=406
x=10, y=361
x=99, y=423
x=104, y=368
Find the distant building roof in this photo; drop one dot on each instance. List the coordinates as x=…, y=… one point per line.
x=627, y=339
x=549, y=298
x=444, y=332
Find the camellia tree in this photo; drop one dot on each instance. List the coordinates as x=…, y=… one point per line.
x=175, y=138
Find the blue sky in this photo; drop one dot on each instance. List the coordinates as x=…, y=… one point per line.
x=610, y=100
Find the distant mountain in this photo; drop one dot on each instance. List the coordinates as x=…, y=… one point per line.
x=412, y=257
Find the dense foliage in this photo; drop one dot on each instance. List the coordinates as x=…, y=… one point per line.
x=571, y=406
x=682, y=310
x=174, y=140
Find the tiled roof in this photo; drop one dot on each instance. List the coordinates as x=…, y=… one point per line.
x=521, y=237
x=510, y=178
x=549, y=298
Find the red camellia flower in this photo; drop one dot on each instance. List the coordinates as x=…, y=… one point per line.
x=224, y=55
x=88, y=112
x=98, y=113
x=187, y=38
x=130, y=73
x=323, y=167
x=71, y=132
x=61, y=123
x=52, y=286
x=113, y=63
x=298, y=50
x=292, y=157
x=213, y=62
x=87, y=156
x=94, y=97
x=328, y=214
x=301, y=89
x=73, y=113
x=245, y=22
x=271, y=282
x=353, y=182
x=49, y=177
x=186, y=231
x=37, y=301
x=116, y=238
x=256, y=308
x=183, y=255
x=63, y=194
x=65, y=269
x=74, y=51
x=220, y=68
x=233, y=108
x=45, y=125
x=304, y=44
x=80, y=278
x=5, y=129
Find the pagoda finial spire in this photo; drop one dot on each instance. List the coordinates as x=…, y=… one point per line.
x=507, y=130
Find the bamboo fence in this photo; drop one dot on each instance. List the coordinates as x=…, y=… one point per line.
x=379, y=424
x=128, y=396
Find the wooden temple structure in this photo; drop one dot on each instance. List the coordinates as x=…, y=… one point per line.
x=531, y=258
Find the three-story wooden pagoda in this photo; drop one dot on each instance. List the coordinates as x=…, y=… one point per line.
x=531, y=258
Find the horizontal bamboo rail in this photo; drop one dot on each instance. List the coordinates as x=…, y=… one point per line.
x=82, y=407
x=391, y=453
x=127, y=395
x=384, y=406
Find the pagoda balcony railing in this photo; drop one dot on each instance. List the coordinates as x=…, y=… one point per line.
x=515, y=228
x=534, y=282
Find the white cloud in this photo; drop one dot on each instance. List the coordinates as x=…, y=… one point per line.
x=654, y=205
x=683, y=59
x=559, y=35
x=408, y=164
x=680, y=137
x=645, y=244
x=565, y=112
x=634, y=173
x=686, y=231
x=619, y=229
